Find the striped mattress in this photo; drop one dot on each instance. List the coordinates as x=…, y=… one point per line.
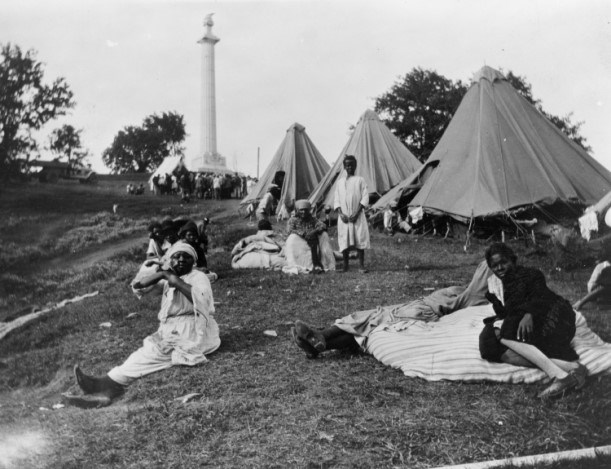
x=448, y=349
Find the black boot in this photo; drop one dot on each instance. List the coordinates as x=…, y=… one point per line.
x=89, y=384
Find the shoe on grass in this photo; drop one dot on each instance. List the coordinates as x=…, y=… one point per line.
x=310, y=351
x=312, y=337
x=559, y=387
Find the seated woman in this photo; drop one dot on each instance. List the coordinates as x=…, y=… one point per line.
x=352, y=331
x=538, y=325
x=262, y=250
x=154, y=250
x=187, y=331
x=308, y=248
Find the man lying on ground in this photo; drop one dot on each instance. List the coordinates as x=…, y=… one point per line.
x=352, y=331
x=308, y=248
x=187, y=330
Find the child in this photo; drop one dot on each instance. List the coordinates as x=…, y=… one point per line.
x=538, y=325
x=154, y=250
x=190, y=234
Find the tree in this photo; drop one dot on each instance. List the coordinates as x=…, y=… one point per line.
x=66, y=142
x=570, y=129
x=26, y=103
x=418, y=108
x=141, y=149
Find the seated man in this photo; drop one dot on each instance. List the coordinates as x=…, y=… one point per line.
x=187, y=330
x=267, y=204
x=262, y=250
x=307, y=247
x=394, y=221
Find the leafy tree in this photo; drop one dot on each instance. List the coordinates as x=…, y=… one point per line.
x=66, y=142
x=26, y=103
x=141, y=149
x=418, y=108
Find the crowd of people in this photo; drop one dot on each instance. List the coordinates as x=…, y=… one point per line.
x=202, y=185
x=532, y=326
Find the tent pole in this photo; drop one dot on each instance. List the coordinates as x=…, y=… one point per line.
x=468, y=235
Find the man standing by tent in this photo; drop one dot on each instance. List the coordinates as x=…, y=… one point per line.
x=351, y=200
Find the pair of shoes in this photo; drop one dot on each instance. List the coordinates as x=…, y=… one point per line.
x=581, y=373
x=559, y=387
x=310, y=351
x=309, y=335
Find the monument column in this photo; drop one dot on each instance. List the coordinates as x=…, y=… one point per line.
x=208, y=136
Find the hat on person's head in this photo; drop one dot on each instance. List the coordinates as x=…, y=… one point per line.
x=189, y=226
x=303, y=204
x=181, y=246
x=264, y=225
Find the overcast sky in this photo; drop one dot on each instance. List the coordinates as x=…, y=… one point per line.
x=319, y=63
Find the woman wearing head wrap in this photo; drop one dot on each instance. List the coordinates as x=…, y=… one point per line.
x=187, y=331
x=308, y=248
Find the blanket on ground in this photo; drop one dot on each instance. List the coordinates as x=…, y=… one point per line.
x=448, y=349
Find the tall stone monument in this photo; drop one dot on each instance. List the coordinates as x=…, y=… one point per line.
x=210, y=159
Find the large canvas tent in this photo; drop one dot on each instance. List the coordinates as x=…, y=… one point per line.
x=301, y=165
x=167, y=166
x=382, y=160
x=499, y=153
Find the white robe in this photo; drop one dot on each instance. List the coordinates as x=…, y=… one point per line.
x=350, y=192
x=187, y=331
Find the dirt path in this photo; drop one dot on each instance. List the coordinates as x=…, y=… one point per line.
x=89, y=256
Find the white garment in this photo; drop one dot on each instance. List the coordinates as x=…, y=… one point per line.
x=260, y=251
x=588, y=223
x=350, y=193
x=596, y=273
x=154, y=250
x=187, y=331
x=299, y=255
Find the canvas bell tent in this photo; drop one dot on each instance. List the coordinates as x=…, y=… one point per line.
x=169, y=165
x=500, y=154
x=297, y=167
x=382, y=160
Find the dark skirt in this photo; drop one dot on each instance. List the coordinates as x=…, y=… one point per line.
x=552, y=331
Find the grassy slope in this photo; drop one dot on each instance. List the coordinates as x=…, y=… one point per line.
x=264, y=404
